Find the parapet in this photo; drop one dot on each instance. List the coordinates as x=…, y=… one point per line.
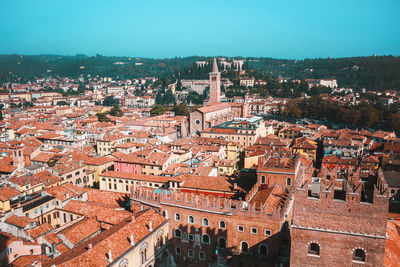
x=210, y=204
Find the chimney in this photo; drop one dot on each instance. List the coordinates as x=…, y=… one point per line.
x=131, y=239
x=150, y=226
x=261, y=161
x=90, y=246
x=109, y=256
x=235, y=186
x=315, y=186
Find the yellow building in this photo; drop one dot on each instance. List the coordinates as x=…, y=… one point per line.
x=233, y=151
x=251, y=159
x=7, y=195
x=99, y=165
x=226, y=167
x=244, y=131
x=306, y=148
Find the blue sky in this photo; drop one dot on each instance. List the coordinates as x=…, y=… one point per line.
x=169, y=28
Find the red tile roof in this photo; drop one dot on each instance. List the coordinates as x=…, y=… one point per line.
x=115, y=240
x=39, y=230
x=20, y=221
x=392, y=248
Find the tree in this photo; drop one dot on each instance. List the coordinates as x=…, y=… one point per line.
x=62, y=103
x=28, y=104
x=157, y=110
x=102, y=117
x=179, y=86
x=159, y=98
x=110, y=101
x=181, y=110
x=169, y=97
x=116, y=111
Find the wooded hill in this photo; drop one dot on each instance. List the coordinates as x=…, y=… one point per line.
x=373, y=73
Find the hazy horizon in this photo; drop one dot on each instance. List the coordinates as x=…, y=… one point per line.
x=209, y=56
x=167, y=29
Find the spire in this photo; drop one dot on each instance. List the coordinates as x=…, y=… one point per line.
x=215, y=66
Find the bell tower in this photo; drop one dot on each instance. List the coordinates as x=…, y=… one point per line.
x=215, y=84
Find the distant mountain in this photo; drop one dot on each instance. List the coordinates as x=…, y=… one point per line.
x=377, y=73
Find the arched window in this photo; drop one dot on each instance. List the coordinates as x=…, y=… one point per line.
x=359, y=255
x=263, y=179
x=205, y=222
x=143, y=253
x=222, y=242
x=288, y=181
x=124, y=263
x=190, y=219
x=263, y=250
x=178, y=251
x=160, y=239
x=313, y=249
x=222, y=225
x=202, y=255
x=177, y=217
x=244, y=247
x=205, y=239
x=178, y=233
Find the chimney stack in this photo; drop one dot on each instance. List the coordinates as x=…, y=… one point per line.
x=150, y=226
x=132, y=242
x=109, y=256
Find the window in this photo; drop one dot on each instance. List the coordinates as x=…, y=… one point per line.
x=288, y=181
x=202, y=256
x=205, y=239
x=262, y=250
x=191, y=237
x=240, y=228
x=177, y=250
x=254, y=230
x=205, y=222
x=222, y=242
x=222, y=225
x=263, y=179
x=190, y=253
x=177, y=217
x=244, y=247
x=190, y=219
x=359, y=255
x=31, y=251
x=143, y=253
x=178, y=233
x=313, y=249
x=197, y=122
x=267, y=232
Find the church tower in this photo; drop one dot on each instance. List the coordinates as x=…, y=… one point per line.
x=215, y=84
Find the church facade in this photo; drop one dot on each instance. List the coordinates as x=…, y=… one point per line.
x=215, y=112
